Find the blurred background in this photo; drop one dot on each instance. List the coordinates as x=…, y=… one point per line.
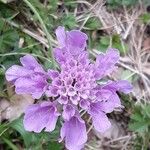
x=121, y=24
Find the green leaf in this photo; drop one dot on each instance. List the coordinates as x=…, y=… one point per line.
x=69, y=21
x=93, y=23
x=33, y=139
x=8, y=40
x=48, y=65
x=3, y=128
x=6, y=1
x=54, y=146
x=137, y=117
x=105, y=40
x=139, y=126
x=145, y=18
x=10, y=144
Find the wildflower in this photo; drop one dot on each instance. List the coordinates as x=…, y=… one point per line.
x=73, y=88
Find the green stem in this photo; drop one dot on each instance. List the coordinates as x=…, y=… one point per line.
x=44, y=29
x=10, y=54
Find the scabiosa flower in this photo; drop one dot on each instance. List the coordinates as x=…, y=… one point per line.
x=76, y=86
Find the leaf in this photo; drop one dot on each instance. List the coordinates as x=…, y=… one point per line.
x=93, y=23
x=33, y=139
x=3, y=128
x=27, y=136
x=54, y=146
x=139, y=126
x=69, y=21
x=145, y=18
x=116, y=43
x=9, y=40
x=6, y=1
x=48, y=65
x=140, y=119
x=137, y=117
x=10, y=144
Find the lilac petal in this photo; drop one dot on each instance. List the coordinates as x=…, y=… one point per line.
x=28, y=61
x=84, y=104
x=29, y=86
x=99, y=118
x=53, y=74
x=68, y=81
x=63, y=91
x=74, y=133
x=68, y=112
x=72, y=63
x=61, y=36
x=112, y=103
x=57, y=82
x=122, y=85
x=103, y=94
x=15, y=72
x=63, y=99
x=101, y=122
x=71, y=91
x=52, y=91
x=59, y=56
x=40, y=116
x=76, y=41
x=84, y=94
x=106, y=63
x=75, y=99
x=83, y=59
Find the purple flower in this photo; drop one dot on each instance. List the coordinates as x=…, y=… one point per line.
x=30, y=78
x=73, y=88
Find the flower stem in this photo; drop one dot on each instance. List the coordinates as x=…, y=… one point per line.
x=43, y=27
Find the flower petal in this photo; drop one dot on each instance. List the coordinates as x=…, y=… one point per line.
x=61, y=36
x=40, y=116
x=28, y=61
x=15, y=72
x=74, y=133
x=103, y=94
x=101, y=122
x=99, y=118
x=105, y=63
x=53, y=74
x=76, y=42
x=68, y=111
x=122, y=85
x=29, y=86
x=63, y=99
x=112, y=103
x=84, y=104
x=60, y=55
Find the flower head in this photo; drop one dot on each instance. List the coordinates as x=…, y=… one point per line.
x=73, y=88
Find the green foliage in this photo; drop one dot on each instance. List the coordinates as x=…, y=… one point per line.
x=140, y=123
x=69, y=21
x=115, y=3
x=115, y=42
x=93, y=23
x=39, y=141
x=145, y=18
x=140, y=119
